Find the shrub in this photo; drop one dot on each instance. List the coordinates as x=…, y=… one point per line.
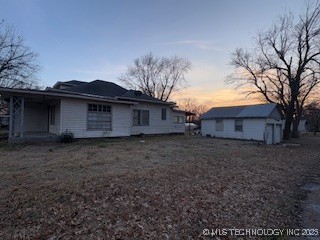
x=67, y=136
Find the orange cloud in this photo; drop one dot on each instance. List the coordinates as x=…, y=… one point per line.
x=218, y=98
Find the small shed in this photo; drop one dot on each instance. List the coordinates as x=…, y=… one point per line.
x=261, y=122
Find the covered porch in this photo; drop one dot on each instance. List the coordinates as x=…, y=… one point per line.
x=32, y=118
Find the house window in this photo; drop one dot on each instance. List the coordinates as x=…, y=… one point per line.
x=178, y=119
x=52, y=113
x=140, y=117
x=163, y=114
x=219, y=125
x=99, y=117
x=238, y=125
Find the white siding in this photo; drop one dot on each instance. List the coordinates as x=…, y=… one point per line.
x=74, y=118
x=253, y=129
x=269, y=133
x=178, y=127
x=156, y=124
x=208, y=127
x=302, y=128
x=277, y=133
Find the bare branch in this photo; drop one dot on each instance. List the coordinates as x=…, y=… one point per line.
x=17, y=62
x=157, y=77
x=285, y=65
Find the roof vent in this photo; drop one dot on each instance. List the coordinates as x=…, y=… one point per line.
x=137, y=93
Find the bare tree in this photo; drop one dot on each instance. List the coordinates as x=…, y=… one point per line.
x=193, y=106
x=157, y=77
x=284, y=67
x=17, y=62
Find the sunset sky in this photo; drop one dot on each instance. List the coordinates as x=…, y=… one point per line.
x=97, y=39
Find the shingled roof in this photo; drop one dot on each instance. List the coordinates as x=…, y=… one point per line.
x=250, y=111
x=100, y=88
x=106, y=89
x=70, y=83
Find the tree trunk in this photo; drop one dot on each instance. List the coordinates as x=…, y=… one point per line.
x=295, y=126
x=287, y=129
x=289, y=119
x=295, y=123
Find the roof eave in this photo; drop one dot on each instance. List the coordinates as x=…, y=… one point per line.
x=213, y=118
x=64, y=95
x=144, y=100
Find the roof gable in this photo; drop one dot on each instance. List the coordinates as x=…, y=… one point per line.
x=99, y=88
x=67, y=84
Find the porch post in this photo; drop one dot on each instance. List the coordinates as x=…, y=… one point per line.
x=22, y=117
x=11, y=117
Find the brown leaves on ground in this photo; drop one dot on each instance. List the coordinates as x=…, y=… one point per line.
x=166, y=187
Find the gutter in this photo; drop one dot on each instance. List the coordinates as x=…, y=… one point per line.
x=65, y=95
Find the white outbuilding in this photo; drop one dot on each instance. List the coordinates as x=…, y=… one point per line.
x=262, y=122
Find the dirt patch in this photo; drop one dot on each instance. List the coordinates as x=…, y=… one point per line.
x=311, y=209
x=151, y=187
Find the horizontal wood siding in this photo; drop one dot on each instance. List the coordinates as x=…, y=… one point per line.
x=74, y=118
x=178, y=127
x=253, y=129
x=156, y=124
x=207, y=127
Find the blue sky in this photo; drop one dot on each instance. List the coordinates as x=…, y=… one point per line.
x=97, y=39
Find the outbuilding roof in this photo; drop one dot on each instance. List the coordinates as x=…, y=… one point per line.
x=249, y=111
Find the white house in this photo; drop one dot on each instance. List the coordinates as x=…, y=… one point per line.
x=256, y=122
x=302, y=127
x=89, y=110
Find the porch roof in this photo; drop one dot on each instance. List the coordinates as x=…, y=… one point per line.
x=6, y=92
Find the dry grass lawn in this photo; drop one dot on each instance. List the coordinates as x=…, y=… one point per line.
x=151, y=188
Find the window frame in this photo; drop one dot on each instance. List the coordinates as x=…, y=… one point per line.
x=238, y=127
x=140, y=118
x=52, y=115
x=176, y=119
x=219, y=125
x=100, y=109
x=163, y=114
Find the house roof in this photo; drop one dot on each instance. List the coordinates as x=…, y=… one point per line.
x=68, y=83
x=74, y=82
x=95, y=90
x=250, y=111
x=108, y=89
x=99, y=88
x=138, y=95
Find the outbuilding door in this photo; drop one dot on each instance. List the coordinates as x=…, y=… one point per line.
x=273, y=133
x=269, y=134
x=277, y=133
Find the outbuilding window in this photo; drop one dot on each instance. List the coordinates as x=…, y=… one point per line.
x=238, y=125
x=99, y=117
x=219, y=125
x=178, y=119
x=140, y=117
x=163, y=114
